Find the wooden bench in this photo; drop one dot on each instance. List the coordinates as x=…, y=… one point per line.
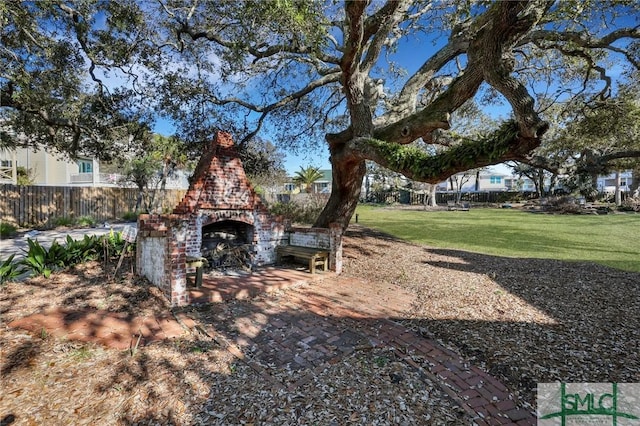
x=315, y=256
x=195, y=278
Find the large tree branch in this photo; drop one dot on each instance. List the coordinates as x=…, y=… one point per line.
x=436, y=115
x=265, y=110
x=322, y=81
x=262, y=52
x=546, y=39
x=354, y=37
x=492, y=49
x=422, y=123
x=52, y=123
x=406, y=101
x=416, y=164
x=621, y=154
x=353, y=78
x=379, y=26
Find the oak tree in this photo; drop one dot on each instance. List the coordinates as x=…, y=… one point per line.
x=319, y=71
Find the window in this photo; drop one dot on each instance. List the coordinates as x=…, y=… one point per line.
x=495, y=180
x=290, y=186
x=85, y=166
x=6, y=163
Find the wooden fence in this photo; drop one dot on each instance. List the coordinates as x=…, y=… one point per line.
x=42, y=205
x=403, y=196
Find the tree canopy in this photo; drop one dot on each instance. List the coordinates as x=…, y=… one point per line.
x=79, y=75
x=589, y=140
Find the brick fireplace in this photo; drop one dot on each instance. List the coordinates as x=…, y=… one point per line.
x=220, y=204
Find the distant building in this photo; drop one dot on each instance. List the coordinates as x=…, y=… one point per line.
x=469, y=182
x=47, y=169
x=607, y=183
x=320, y=186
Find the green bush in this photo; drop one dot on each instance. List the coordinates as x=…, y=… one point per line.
x=86, y=221
x=80, y=251
x=40, y=261
x=7, y=229
x=305, y=212
x=9, y=270
x=63, y=221
x=116, y=244
x=130, y=216
x=288, y=210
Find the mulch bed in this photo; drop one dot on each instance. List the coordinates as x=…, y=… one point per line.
x=524, y=320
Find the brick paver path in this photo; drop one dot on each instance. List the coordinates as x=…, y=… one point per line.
x=310, y=327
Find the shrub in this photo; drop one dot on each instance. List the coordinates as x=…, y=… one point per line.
x=80, y=251
x=130, y=216
x=304, y=211
x=563, y=204
x=115, y=244
x=41, y=261
x=24, y=176
x=86, y=221
x=630, y=204
x=7, y=229
x=62, y=221
x=9, y=270
x=288, y=210
x=296, y=213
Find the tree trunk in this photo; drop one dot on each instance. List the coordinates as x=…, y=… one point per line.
x=139, y=199
x=541, y=192
x=367, y=187
x=618, y=194
x=552, y=183
x=348, y=175
x=432, y=195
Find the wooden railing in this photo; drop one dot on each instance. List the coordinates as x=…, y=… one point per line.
x=81, y=178
x=6, y=175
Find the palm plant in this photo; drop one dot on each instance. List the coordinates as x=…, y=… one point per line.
x=307, y=176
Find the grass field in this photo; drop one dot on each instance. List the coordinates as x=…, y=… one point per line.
x=612, y=240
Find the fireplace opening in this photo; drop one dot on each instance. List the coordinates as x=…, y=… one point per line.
x=228, y=246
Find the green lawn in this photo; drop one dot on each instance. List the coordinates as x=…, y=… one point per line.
x=612, y=240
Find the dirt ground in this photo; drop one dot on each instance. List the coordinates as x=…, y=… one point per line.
x=525, y=321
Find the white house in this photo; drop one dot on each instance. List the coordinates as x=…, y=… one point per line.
x=488, y=180
x=608, y=183
x=47, y=169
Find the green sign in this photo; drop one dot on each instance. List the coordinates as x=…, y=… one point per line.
x=589, y=403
